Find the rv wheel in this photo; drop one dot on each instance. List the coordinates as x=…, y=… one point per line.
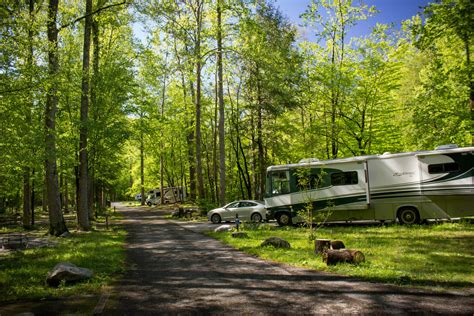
x=148, y=203
x=284, y=219
x=408, y=216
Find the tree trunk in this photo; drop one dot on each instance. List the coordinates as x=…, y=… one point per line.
x=321, y=246
x=220, y=93
x=332, y=257
x=162, y=163
x=83, y=210
x=33, y=197
x=200, y=179
x=197, y=55
x=66, y=195
x=26, y=199
x=142, y=169
x=56, y=219
x=27, y=217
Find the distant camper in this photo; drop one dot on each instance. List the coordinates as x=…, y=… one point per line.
x=408, y=187
x=171, y=195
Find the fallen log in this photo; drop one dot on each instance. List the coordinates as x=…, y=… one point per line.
x=332, y=257
x=321, y=245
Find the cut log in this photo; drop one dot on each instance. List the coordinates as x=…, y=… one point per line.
x=337, y=244
x=321, y=245
x=332, y=257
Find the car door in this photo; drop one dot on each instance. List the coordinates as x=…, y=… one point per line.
x=245, y=210
x=230, y=211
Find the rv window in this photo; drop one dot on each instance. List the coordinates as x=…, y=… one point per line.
x=443, y=167
x=280, y=182
x=309, y=182
x=344, y=178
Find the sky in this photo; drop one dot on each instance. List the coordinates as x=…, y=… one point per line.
x=391, y=11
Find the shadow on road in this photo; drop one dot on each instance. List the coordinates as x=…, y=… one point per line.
x=175, y=270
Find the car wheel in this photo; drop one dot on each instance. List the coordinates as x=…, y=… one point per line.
x=215, y=219
x=256, y=218
x=284, y=219
x=408, y=216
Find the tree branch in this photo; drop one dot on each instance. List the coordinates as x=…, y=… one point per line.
x=92, y=13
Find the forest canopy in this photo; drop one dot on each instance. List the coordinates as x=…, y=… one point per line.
x=212, y=93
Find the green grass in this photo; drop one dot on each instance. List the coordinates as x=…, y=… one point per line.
x=23, y=273
x=427, y=255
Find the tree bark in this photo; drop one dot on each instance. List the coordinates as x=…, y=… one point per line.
x=57, y=225
x=220, y=93
x=27, y=216
x=83, y=210
x=332, y=257
x=142, y=168
x=197, y=55
x=321, y=246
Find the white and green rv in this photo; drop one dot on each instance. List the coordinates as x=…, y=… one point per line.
x=408, y=187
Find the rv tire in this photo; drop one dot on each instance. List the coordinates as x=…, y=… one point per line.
x=408, y=216
x=284, y=219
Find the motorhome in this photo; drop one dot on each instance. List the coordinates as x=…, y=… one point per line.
x=409, y=187
x=171, y=195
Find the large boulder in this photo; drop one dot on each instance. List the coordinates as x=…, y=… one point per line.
x=65, y=271
x=224, y=228
x=276, y=242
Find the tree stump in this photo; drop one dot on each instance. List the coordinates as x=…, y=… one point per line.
x=337, y=244
x=321, y=245
x=332, y=257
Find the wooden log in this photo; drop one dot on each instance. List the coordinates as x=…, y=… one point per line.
x=321, y=245
x=332, y=257
x=337, y=244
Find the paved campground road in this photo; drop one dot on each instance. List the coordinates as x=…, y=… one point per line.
x=175, y=270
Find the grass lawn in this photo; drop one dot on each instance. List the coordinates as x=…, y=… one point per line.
x=426, y=255
x=23, y=273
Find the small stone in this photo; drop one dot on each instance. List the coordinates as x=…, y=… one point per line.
x=276, y=242
x=224, y=228
x=66, y=234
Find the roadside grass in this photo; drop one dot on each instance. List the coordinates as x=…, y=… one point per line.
x=23, y=273
x=438, y=256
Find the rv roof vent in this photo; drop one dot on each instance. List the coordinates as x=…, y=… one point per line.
x=448, y=146
x=309, y=160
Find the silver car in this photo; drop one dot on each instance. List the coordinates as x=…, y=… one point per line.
x=247, y=210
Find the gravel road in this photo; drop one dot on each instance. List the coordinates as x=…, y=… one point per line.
x=176, y=270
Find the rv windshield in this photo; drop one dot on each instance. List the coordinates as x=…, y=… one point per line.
x=279, y=183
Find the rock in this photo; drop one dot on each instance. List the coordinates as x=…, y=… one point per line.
x=65, y=271
x=239, y=235
x=224, y=228
x=66, y=234
x=276, y=242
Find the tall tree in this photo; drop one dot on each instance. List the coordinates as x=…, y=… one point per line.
x=220, y=96
x=332, y=30
x=57, y=225
x=447, y=19
x=83, y=209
